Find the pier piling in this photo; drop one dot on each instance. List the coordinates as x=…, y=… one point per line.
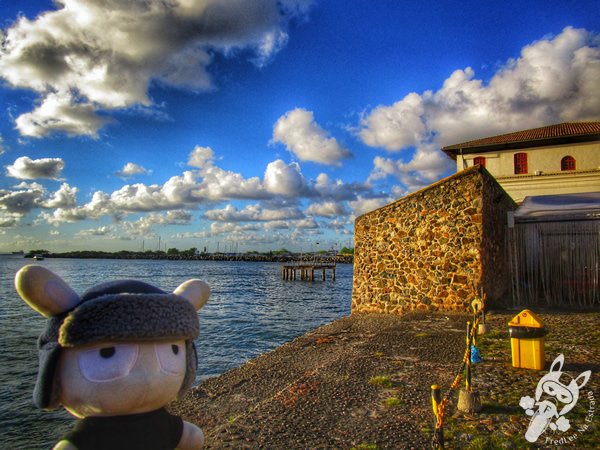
x=307, y=271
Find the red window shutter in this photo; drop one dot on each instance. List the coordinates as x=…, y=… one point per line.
x=479, y=160
x=520, y=163
x=567, y=163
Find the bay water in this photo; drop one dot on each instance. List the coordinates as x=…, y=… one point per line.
x=251, y=311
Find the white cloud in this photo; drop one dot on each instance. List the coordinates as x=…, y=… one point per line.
x=108, y=55
x=220, y=184
x=553, y=80
x=95, y=232
x=308, y=223
x=178, y=192
x=395, y=127
x=131, y=169
x=9, y=219
x=201, y=157
x=63, y=198
x=284, y=179
x=177, y=217
x=231, y=229
x=59, y=111
x=302, y=136
x=21, y=201
x=340, y=225
x=143, y=226
x=424, y=168
x=253, y=213
x=327, y=209
x=280, y=193
x=337, y=190
x=2, y=149
x=25, y=168
x=99, y=205
x=365, y=205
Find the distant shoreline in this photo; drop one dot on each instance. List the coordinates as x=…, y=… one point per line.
x=262, y=257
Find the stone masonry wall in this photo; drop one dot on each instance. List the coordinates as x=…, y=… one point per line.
x=433, y=249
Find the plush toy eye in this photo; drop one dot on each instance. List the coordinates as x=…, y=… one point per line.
x=108, y=363
x=107, y=352
x=171, y=357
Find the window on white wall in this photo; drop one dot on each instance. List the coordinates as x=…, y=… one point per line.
x=567, y=163
x=520, y=163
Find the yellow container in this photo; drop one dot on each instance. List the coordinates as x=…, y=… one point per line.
x=527, y=341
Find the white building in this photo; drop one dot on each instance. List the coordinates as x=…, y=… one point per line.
x=556, y=159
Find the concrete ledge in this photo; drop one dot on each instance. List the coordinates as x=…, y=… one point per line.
x=321, y=390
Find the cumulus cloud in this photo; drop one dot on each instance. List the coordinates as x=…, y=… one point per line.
x=25, y=168
x=553, y=80
x=201, y=157
x=20, y=202
x=143, y=226
x=327, y=209
x=280, y=194
x=285, y=179
x=78, y=68
x=60, y=111
x=131, y=169
x=99, y=205
x=178, y=192
x=302, y=136
x=231, y=229
x=105, y=230
x=337, y=190
x=253, y=213
x=426, y=165
x=63, y=198
x=364, y=205
x=221, y=184
x=9, y=220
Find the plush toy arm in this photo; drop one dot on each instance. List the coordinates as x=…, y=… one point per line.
x=192, y=437
x=64, y=445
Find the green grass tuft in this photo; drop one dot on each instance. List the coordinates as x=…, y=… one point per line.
x=381, y=380
x=393, y=402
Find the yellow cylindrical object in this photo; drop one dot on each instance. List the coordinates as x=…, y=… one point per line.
x=528, y=353
x=527, y=341
x=436, y=398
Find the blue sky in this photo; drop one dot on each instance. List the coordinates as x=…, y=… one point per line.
x=256, y=125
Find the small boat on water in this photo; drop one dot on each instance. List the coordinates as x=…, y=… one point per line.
x=38, y=257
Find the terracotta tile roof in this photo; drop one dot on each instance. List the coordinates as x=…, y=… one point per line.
x=561, y=130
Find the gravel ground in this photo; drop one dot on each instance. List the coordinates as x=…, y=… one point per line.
x=364, y=382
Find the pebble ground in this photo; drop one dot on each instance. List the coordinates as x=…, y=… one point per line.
x=364, y=381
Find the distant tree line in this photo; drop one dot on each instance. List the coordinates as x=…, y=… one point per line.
x=282, y=255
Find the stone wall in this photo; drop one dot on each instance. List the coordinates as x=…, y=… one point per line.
x=433, y=249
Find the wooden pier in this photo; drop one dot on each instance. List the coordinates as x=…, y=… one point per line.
x=306, y=271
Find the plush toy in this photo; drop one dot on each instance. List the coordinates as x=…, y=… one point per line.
x=114, y=358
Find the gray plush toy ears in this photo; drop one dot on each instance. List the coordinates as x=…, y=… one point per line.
x=44, y=291
x=194, y=291
x=50, y=295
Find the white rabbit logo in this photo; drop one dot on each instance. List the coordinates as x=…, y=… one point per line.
x=545, y=411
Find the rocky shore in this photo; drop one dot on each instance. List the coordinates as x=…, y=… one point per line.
x=364, y=382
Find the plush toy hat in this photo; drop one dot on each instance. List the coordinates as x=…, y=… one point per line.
x=118, y=311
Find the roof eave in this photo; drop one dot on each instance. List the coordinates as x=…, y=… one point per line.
x=454, y=150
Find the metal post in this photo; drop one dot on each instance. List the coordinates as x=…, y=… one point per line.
x=436, y=400
x=468, y=362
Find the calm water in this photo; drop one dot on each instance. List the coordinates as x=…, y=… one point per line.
x=251, y=311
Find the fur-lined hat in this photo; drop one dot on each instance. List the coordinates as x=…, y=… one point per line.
x=117, y=311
